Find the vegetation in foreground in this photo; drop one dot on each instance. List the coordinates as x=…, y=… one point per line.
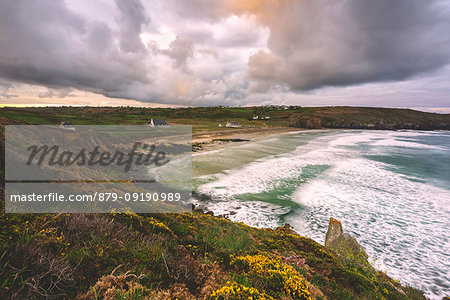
x=169, y=256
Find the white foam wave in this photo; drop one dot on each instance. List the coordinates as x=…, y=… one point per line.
x=405, y=144
x=387, y=214
x=401, y=221
x=252, y=213
x=264, y=174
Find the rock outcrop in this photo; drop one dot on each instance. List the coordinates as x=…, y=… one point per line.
x=345, y=244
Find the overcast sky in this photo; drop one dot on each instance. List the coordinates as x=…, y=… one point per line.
x=392, y=53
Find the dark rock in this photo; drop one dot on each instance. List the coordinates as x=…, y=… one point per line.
x=198, y=211
x=288, y=226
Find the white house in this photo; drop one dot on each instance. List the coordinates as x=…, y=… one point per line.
x=67, y=125
x=157, y=123
x=233, y=124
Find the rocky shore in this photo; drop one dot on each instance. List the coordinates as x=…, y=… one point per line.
x=370, y=118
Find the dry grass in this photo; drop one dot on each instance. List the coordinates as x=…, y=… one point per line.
x=113, y=287
x=39, y=273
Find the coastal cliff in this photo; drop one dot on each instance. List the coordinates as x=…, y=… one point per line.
x=369, y=118
x=168, y=256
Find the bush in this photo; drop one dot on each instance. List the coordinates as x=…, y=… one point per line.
x=273, y=276
x=236, y=291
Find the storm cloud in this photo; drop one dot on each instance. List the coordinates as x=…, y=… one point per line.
x=45, y=43
x=217, y=52
x=335, y=43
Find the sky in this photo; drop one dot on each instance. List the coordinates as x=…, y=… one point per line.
x=389, y=53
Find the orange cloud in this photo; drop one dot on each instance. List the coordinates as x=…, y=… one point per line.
x=264, y=9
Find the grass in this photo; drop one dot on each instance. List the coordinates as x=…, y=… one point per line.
x=91, y=256
x=208, y=118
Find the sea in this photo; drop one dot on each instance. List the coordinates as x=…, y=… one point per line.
x=390, y=189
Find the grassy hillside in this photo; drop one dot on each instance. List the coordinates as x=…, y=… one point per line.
x=168, y=256
x=369, y=118
x=207, y=118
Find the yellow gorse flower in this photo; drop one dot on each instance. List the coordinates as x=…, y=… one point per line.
x=238, y=291
x=280, y=277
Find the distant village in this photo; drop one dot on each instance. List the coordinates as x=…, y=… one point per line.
x=233, y=124
x=155, y=123
x=258, y=115
x=160, y=123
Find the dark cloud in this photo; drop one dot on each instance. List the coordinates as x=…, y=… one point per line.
x=201, y=55
x=45, y=43
x=336, y=43
x=60, y=93
x=131, y=18
x=4, y=90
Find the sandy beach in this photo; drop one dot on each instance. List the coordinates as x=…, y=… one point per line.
x=212, y=140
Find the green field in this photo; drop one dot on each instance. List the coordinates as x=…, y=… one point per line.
x=208, y=118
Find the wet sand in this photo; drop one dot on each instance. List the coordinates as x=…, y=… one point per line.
x=212, y=140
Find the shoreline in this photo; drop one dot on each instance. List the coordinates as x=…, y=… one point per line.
x=232, y=181
x=214, y=140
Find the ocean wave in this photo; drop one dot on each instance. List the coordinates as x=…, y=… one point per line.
x=401, y=220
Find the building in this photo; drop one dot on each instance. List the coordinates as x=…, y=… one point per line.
x=220, y=125
x=233, y=124
x=157, y=123
x=67, y=125
x=255, y=117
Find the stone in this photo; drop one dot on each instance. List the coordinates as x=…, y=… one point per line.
x=334, y=231
x=344, y=244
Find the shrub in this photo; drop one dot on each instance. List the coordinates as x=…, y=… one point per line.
x=109, y=287
x=274, y=276
x=236, y=291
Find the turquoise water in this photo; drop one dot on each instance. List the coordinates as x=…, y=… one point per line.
x=390, y=189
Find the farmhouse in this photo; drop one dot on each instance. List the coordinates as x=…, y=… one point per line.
x=157, y=123
x=233, y=124
x=67, y=125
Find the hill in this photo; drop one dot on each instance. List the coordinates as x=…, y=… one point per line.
x=208, y=118
x=370, y=118
x=168, y=256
